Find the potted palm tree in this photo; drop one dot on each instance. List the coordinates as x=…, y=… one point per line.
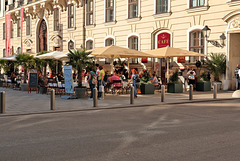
x=27, y=62
x=79, y=59
x=216, y=64
x=174, y=86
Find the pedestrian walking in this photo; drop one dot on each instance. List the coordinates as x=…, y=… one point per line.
x=92, y=81
x=100, y=82
x=237, y=74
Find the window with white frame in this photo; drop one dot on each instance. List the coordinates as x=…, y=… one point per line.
x=196, y=3
x=70, y=16
x=28, y=27
x=196, y=43
x=109, y=13
x=70, y=45
x=161, y=6
x=108, y=42
x=133, y=44
x=89, y=12
x=56, y=19
x=89, y=45
x=132, y=8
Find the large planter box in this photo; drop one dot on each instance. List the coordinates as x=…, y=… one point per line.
x=24, y=86
x=147, y=88
x=42, y=90
x=203, y=86
x=80, y=92
x=175, y=88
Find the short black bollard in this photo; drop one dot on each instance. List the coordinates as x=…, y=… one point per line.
x=132, y=95
x=215, y=91
x=163, y=93
x=52, y=99
x=2, y=102
x=191, y=92
x=95, y=97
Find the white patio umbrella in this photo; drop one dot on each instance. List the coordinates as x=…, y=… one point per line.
x=9, y=58
x=51, y=55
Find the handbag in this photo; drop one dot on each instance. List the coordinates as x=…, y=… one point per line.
x=94, y=80
x=101, y=88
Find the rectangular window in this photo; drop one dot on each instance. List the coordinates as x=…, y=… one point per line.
x=196, y=44
x=4, y=31
x=18, y=28
x=196, y=3
x=133, y=44
x=28, y=29
x=56, y=19
x=89, y=12
x=12, y=29
x=161, y=6
x=71, y=16
x=109, y=10
x=132, y=8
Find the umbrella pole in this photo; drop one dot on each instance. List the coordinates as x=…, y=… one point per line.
x=167, y=69
x=111, y=65
x=128, y=65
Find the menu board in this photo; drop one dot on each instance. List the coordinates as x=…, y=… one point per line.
x=68, y=79
x=33, y=80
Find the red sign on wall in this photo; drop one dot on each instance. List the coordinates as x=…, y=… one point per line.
x=181, y=59
x=163, y=40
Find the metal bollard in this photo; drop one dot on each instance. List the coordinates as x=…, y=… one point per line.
x=163, y=93
x=132, y=95
x=95, y=97
x=2, y=102
x=52, y=100
x=191, y=92
x=215, y=91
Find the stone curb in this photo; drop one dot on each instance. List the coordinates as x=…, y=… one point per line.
x=112, y=108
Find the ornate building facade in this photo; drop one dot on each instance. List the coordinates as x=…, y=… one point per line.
x=137, y=24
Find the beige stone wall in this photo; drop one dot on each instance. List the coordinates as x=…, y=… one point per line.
x=74, y=34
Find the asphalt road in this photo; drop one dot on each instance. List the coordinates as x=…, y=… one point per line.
x=187, y=132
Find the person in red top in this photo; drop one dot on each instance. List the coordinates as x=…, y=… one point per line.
x=115, y=77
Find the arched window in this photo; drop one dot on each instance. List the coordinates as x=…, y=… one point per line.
x=70, y=45
x=133, y=44
x=19, y=50
x=89, y=45
x=108, y=42
x=4, y=52
x=196, y=43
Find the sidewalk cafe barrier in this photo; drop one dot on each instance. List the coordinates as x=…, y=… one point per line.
x=163, y=93
x=52, y=99
x=215, y=91
x=132, y=95
x=191, y=92
x=95, y=103
x=2, y=102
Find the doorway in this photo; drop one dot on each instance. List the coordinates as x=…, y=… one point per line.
x=42, y=37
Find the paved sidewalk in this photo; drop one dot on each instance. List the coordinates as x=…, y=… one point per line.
x=19, y=102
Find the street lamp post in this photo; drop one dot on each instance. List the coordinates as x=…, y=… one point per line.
x=206, y=32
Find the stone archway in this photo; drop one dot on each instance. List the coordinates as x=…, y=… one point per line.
x=42, y=36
